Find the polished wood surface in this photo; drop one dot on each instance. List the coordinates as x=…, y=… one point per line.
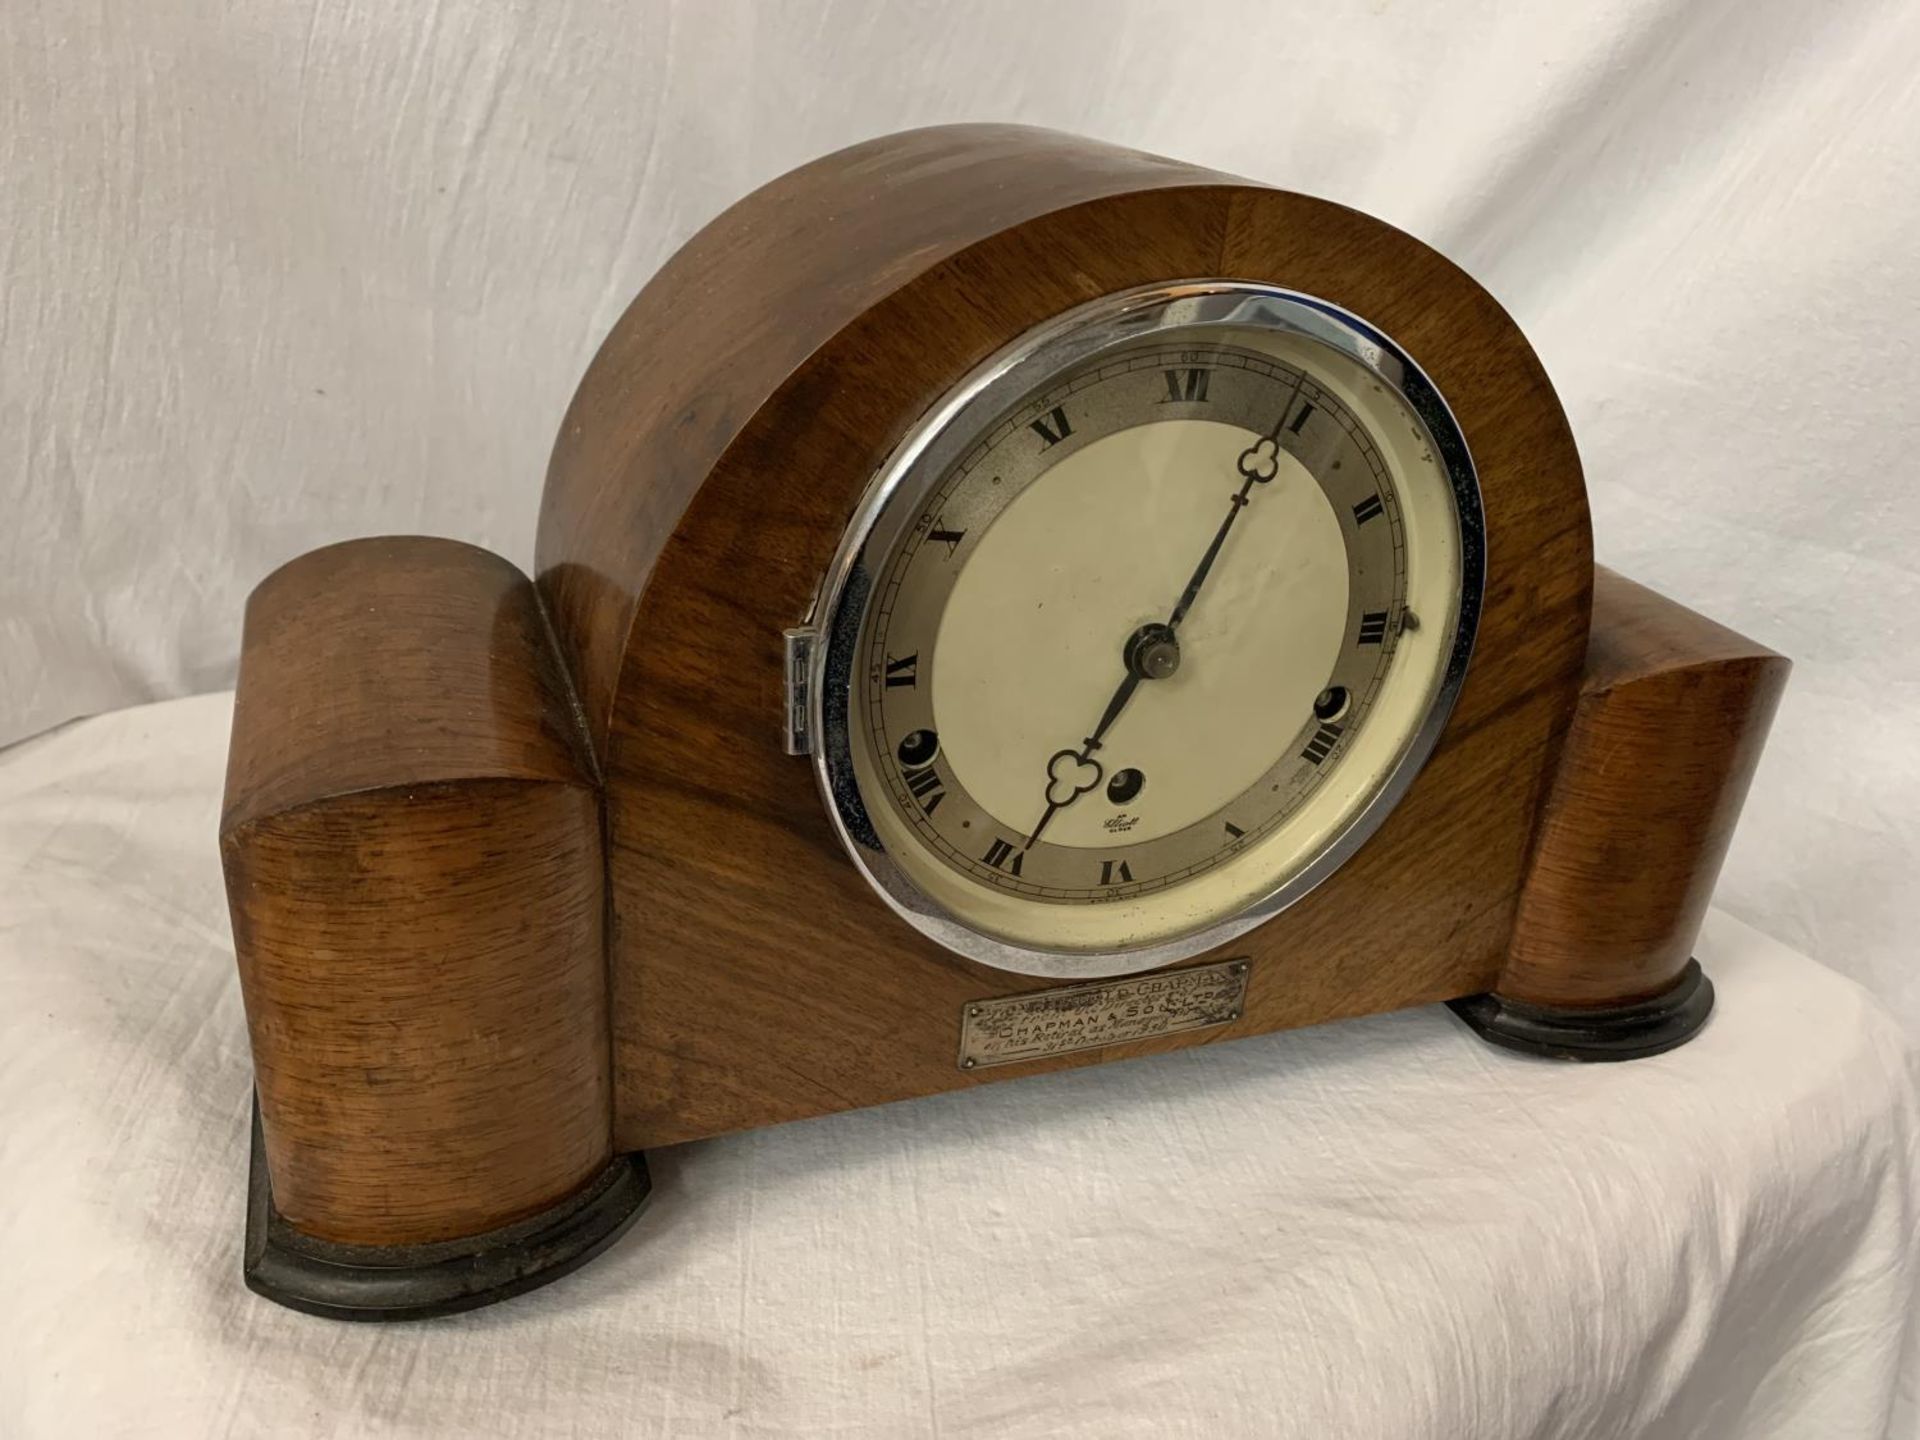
x=1672, y=716
x=735, y=314
x=511, y=896
x=411, y=839
x=703, y=476
x=398, y=660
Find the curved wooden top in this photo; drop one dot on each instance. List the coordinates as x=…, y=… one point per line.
x=1639, y=633
x=961, y=237
x=397, y=661
x=739, y=309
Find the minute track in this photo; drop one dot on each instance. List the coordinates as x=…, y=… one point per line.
x=971, y=501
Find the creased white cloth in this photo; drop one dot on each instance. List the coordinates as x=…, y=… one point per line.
x=1374, y=1229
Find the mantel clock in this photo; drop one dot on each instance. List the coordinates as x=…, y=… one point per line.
x=1001, y=603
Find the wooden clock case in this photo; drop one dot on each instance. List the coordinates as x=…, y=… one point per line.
x=523, y=881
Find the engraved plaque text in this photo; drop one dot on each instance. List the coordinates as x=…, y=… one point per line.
x=1106, y=1012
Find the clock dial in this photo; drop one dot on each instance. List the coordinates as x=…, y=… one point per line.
x=1141, y=650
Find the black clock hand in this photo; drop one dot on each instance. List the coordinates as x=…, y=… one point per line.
x=1259, y=462
x=1192, y=592
x=1084, y=756
x=1112, y=712
x=1153, y=651
x=1034, y=838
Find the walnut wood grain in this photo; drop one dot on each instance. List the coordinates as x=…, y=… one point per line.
x=411, y=838
x=705, y=471
x=1673, y=712
x=736, y=313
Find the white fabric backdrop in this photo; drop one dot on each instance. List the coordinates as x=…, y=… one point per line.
x=281, y=273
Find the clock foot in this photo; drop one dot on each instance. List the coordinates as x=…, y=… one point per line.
x=417, y=1282
x=1630, y=1031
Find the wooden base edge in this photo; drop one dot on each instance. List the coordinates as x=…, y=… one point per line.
x=418, y=1282
x=1594, y=1033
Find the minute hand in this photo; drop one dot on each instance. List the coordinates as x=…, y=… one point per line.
x=1259, y=462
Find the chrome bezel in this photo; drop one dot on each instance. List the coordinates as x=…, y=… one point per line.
x=891, y=503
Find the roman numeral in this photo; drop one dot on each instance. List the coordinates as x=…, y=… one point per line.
x=1367, y=509
x=904, y=671
x=1052, y=429
x=1306, y=414
x=1110, y=874
x=949, y=538
x=926, y=787
x=1186, y=385
x=997, y=854
x=1373, y=627
x=1322, y=743
x=1234, y=830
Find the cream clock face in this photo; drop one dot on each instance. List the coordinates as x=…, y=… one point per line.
x=1149, y=629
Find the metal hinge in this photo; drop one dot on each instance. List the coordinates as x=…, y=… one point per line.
x=799, y=667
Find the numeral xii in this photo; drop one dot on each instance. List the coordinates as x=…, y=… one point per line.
x=1185, y=385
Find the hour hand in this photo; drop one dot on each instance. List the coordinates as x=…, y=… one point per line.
x=1070, y=774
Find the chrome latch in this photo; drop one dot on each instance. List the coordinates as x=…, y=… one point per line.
x=799, y=690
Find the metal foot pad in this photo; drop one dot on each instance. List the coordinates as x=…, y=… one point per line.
x=1615, y=1032
x=415, y=1282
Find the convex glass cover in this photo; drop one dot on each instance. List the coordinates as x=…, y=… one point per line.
x=1145, y=628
